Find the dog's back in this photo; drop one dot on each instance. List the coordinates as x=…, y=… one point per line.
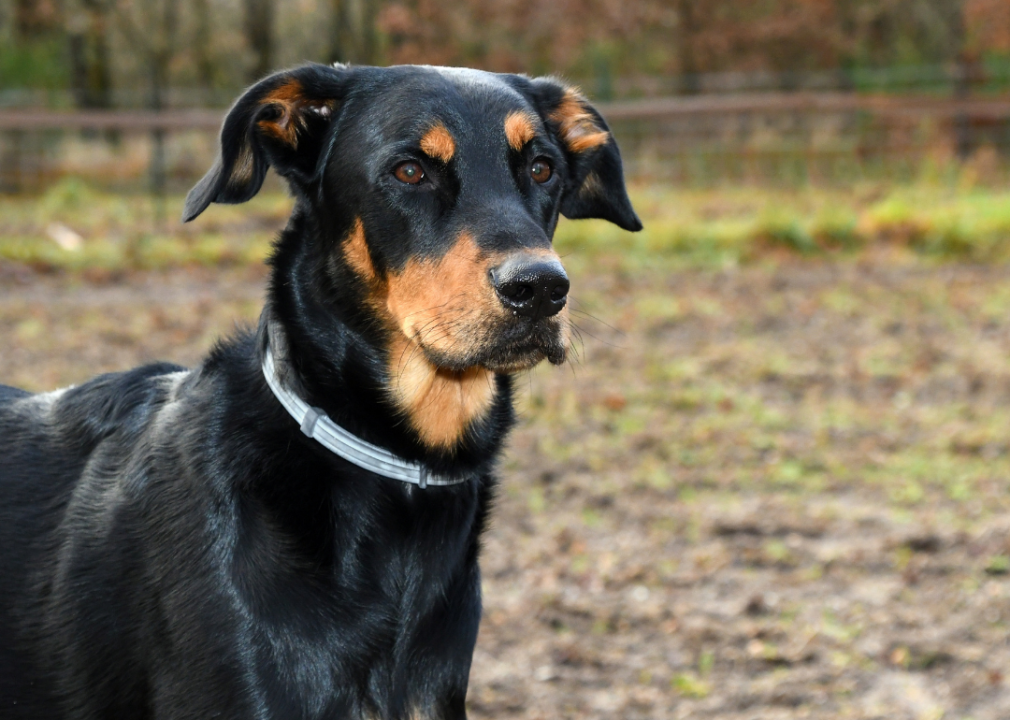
x=49, y=444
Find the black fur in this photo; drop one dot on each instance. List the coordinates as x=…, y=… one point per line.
x=171, y=546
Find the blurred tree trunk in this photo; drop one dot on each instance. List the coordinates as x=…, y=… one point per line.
x=151, y=27
x=205, y=69
x=88, y=45
x=259, y=32
x=967, y=70
x=848, y=29
x=881, y=36
x=354, y=37
x=159, y=59
x=688, y=26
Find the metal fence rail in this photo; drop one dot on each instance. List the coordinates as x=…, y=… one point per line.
x=882, y=105
x=105, y=120
x=694, y=138
x=653, y=108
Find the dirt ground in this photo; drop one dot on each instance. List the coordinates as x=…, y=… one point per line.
x=777, y=491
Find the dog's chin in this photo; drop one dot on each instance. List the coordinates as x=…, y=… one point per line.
x=508, y=366
x=507, y=358
x=518, y=361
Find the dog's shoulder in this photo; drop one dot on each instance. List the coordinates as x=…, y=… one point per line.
x=82, y=416
x=119, y=402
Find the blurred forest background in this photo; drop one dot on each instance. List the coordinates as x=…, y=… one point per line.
x=768, y=90
x=120, y=53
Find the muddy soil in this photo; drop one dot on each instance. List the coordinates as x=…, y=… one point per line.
x=772, y=492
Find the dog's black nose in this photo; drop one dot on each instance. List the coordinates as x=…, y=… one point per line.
x=531, y=286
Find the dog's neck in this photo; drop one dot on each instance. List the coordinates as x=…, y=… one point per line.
x=317, y=425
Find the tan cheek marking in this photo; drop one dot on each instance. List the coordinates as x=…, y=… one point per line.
x=519, y=129
x=439, y=404
x=444, y=304
x=438, y=143
x=440, y=305
x=578, y=127
x=356, y=252
x=436, y=302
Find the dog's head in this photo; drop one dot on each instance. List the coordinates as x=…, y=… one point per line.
x=437, y=192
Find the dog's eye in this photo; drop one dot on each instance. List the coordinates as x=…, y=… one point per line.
x=409, y=172
x=540, y=170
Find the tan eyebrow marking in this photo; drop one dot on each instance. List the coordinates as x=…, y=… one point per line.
x=438, y=143
x=519, y=129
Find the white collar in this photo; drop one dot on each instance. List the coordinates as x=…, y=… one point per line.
x=317, y=425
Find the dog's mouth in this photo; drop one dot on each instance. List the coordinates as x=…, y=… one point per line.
x=524, y=345
x=507, y=348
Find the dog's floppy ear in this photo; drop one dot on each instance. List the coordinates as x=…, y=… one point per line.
x=279, y=122
x=596, y=186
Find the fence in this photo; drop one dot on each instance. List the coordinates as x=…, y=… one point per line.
x=760, y=137
x=802, y=137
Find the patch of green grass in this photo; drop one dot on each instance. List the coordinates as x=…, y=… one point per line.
x=727, y=226
x=706, y=660
x=683, y=228
x=690, y=685
x=118, y=232
x=998, y=565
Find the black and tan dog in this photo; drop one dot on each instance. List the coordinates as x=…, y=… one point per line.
x=291, y=529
